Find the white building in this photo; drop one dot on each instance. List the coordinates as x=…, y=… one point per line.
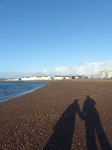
x=62, y=77
x=79, y=77
x=15, y=79
x=46, y=78
x=106, y=74
x=36, y=78
x=26, y=78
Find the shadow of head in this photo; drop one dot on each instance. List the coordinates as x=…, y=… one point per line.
x=88, y=97
x=76, y=101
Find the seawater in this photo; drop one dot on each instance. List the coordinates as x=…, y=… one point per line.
x=10, y=90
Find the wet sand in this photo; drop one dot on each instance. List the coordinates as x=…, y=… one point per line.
x=51, y=118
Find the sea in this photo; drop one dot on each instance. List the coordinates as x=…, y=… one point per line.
x=10, y=90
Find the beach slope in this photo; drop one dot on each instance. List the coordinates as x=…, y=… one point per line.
x=61, y=115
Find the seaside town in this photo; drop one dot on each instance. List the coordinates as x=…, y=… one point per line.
x=56, y=75
x=106, y=74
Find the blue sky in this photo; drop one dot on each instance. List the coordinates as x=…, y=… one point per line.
x=50, y=37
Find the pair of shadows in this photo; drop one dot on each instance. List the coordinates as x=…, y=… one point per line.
x=61, y=139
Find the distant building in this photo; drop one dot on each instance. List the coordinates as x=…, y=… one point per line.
x=62, y=77
x=15, y=79
x=10, y=79
x=76, y=77
x=79, y=77
x=46, y=78
x=106, y=74
x=33, y=78
x=26, y=78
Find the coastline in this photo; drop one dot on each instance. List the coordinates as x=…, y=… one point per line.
x=28, y=121
x=21, y=92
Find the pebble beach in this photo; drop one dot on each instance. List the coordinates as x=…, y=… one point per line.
x=55, y=117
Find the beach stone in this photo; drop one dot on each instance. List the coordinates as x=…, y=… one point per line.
x=37, y=120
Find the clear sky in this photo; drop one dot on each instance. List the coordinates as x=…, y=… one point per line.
x=50, y=37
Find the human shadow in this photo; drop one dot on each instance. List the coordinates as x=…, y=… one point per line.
x=93, y=125
x=61, y=139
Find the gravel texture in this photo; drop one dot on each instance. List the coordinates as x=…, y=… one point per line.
x=62, y=115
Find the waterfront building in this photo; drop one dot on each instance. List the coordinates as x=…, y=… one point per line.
x=106, y=74
x=33, y=78
x=57, y=77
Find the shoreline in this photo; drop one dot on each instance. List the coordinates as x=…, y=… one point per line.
x=31, y=120
x=22, y=93
x=48, y=81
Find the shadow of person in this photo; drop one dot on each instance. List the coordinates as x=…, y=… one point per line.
x=61, y=139
x=93, y=125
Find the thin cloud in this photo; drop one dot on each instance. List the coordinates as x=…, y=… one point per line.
x=84, y=69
